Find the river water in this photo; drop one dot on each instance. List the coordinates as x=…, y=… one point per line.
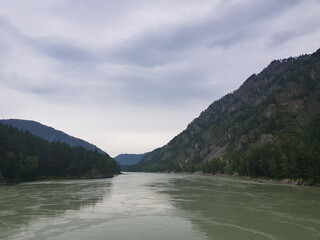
x=159, y=206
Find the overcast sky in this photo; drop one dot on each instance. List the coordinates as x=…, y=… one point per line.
x=129, y=75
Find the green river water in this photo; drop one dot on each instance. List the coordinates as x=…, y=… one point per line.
x=149, y=206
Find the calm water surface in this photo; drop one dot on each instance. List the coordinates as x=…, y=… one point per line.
x=159, y=206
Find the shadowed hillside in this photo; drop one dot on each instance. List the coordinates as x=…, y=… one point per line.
x=48, y=133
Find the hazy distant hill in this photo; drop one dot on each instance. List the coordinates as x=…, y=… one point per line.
x=269, y=127
x=48, y=133
x=129, y=159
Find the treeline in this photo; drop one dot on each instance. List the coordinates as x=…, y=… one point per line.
x=25, y=157
x=295, y=156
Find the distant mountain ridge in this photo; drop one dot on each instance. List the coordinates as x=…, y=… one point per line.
x=129, y=159
x=48, y=133
x=270, y=127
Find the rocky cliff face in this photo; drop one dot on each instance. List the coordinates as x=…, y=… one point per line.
x=284, y=97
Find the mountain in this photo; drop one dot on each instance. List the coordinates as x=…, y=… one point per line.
x=24, y=157
x=129, y=159
x=268, y=127
x=48, y=133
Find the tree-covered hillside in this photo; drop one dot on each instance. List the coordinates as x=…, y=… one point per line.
x=48, y=133
x=24, y=157
x=269, y=127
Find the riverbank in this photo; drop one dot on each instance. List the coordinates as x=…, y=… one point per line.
x=54, y=178
x=297, y=182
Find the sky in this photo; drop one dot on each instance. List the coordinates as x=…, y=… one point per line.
x=129, y=75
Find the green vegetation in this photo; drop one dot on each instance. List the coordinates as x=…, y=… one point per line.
x=296, y=156
x=269, y=127
x=24, y=157
x=48, y=133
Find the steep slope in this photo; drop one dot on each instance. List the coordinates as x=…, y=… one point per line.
x=129, y=159
x=268, y=127
x=48, y=133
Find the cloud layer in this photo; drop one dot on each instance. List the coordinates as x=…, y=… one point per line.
x=129, y=75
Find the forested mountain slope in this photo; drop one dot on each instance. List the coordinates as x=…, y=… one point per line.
x=24, y=156
x=48, y=133
x=269, y=127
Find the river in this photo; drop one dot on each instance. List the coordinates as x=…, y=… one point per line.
x=159, y=206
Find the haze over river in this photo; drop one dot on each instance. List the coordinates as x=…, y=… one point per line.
x=159, y=206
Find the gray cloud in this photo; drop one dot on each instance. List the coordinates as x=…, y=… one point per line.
x=227, y=28
x=64, y=51
x=165, y=92
x=102, y=62
x=7, y=27
x=282, y=37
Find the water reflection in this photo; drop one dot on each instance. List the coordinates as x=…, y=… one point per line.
x=23, y=203
x=223, y=208
x=159, y=206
